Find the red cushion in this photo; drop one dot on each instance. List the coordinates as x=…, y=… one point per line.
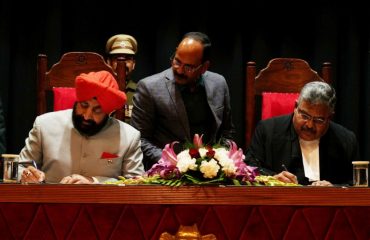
x=64, y=98
x=276, y=104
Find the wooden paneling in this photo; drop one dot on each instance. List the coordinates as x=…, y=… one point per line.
x=209, y=195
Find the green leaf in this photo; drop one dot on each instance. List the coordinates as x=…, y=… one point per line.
x=236, y=182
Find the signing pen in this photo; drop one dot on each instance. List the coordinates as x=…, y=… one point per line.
x=284, y=168
x=34, y=164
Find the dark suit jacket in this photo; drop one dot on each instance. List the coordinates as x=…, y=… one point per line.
x=159, y=112
x=275, y=142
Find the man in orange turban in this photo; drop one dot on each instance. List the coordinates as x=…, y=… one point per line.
x=84, y=144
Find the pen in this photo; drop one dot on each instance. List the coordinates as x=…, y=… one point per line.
x=284, y=168
x=34, y=164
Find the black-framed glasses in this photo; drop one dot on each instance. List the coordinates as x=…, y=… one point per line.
x=187, y=68
x=307, y=117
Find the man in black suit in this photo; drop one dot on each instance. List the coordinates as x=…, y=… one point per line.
x=306, y=147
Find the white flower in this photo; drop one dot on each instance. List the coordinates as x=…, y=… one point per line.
x=221, y=154
x=209, y=169
x=184, y=154
x=228, y=166
x=185, y=162
x=202, y=152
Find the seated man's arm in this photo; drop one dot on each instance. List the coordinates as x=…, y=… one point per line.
x=256, y=155
x=32, y=152
x=350, y=144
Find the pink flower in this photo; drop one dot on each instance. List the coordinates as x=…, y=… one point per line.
x=169, y=156
x=235, y=153
x=238, y=157
x=166, y=172
x=197, y=141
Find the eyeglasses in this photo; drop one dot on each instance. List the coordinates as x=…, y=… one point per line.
x=187, y=68
x=307, y=117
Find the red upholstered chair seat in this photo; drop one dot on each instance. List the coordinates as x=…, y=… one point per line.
x=276, y=104
x=64, y=98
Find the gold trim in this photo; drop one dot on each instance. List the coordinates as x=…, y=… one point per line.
x=187, y=233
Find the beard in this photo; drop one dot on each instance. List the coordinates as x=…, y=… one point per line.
x=87, y=127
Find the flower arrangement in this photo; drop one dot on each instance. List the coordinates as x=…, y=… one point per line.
x=199, y=164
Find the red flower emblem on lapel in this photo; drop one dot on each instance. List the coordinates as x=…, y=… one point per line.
x=106, y=155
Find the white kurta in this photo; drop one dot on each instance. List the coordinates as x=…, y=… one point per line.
x=61, y=150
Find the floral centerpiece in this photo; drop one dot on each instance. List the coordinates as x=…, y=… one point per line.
x=203, y=164
x=199, y=164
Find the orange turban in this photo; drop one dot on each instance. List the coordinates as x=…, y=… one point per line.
x=102, y=86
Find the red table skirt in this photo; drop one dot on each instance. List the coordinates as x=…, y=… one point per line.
x=147, y=221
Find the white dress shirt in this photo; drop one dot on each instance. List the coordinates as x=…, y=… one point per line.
x=311, y=159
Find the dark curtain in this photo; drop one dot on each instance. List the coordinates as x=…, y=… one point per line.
x=316, y=31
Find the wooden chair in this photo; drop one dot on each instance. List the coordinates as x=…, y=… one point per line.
x=281, y=75
x=63, y=73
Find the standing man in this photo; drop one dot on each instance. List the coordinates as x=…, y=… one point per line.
x=306, y=147
x=183, y=100
x=125, y=47
x=84, y=145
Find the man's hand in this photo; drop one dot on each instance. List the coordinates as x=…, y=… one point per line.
x=322, y=183
x=286, y=177
x=32, y=175
x=77, y=179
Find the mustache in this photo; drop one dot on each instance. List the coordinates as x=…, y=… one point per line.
x=88, y=122
x=87, y=127
x=180, y=75
x=307, y=129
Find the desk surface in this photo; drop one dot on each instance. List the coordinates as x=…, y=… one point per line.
x=206, y=195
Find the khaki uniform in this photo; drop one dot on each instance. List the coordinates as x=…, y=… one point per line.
x=130, y=91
